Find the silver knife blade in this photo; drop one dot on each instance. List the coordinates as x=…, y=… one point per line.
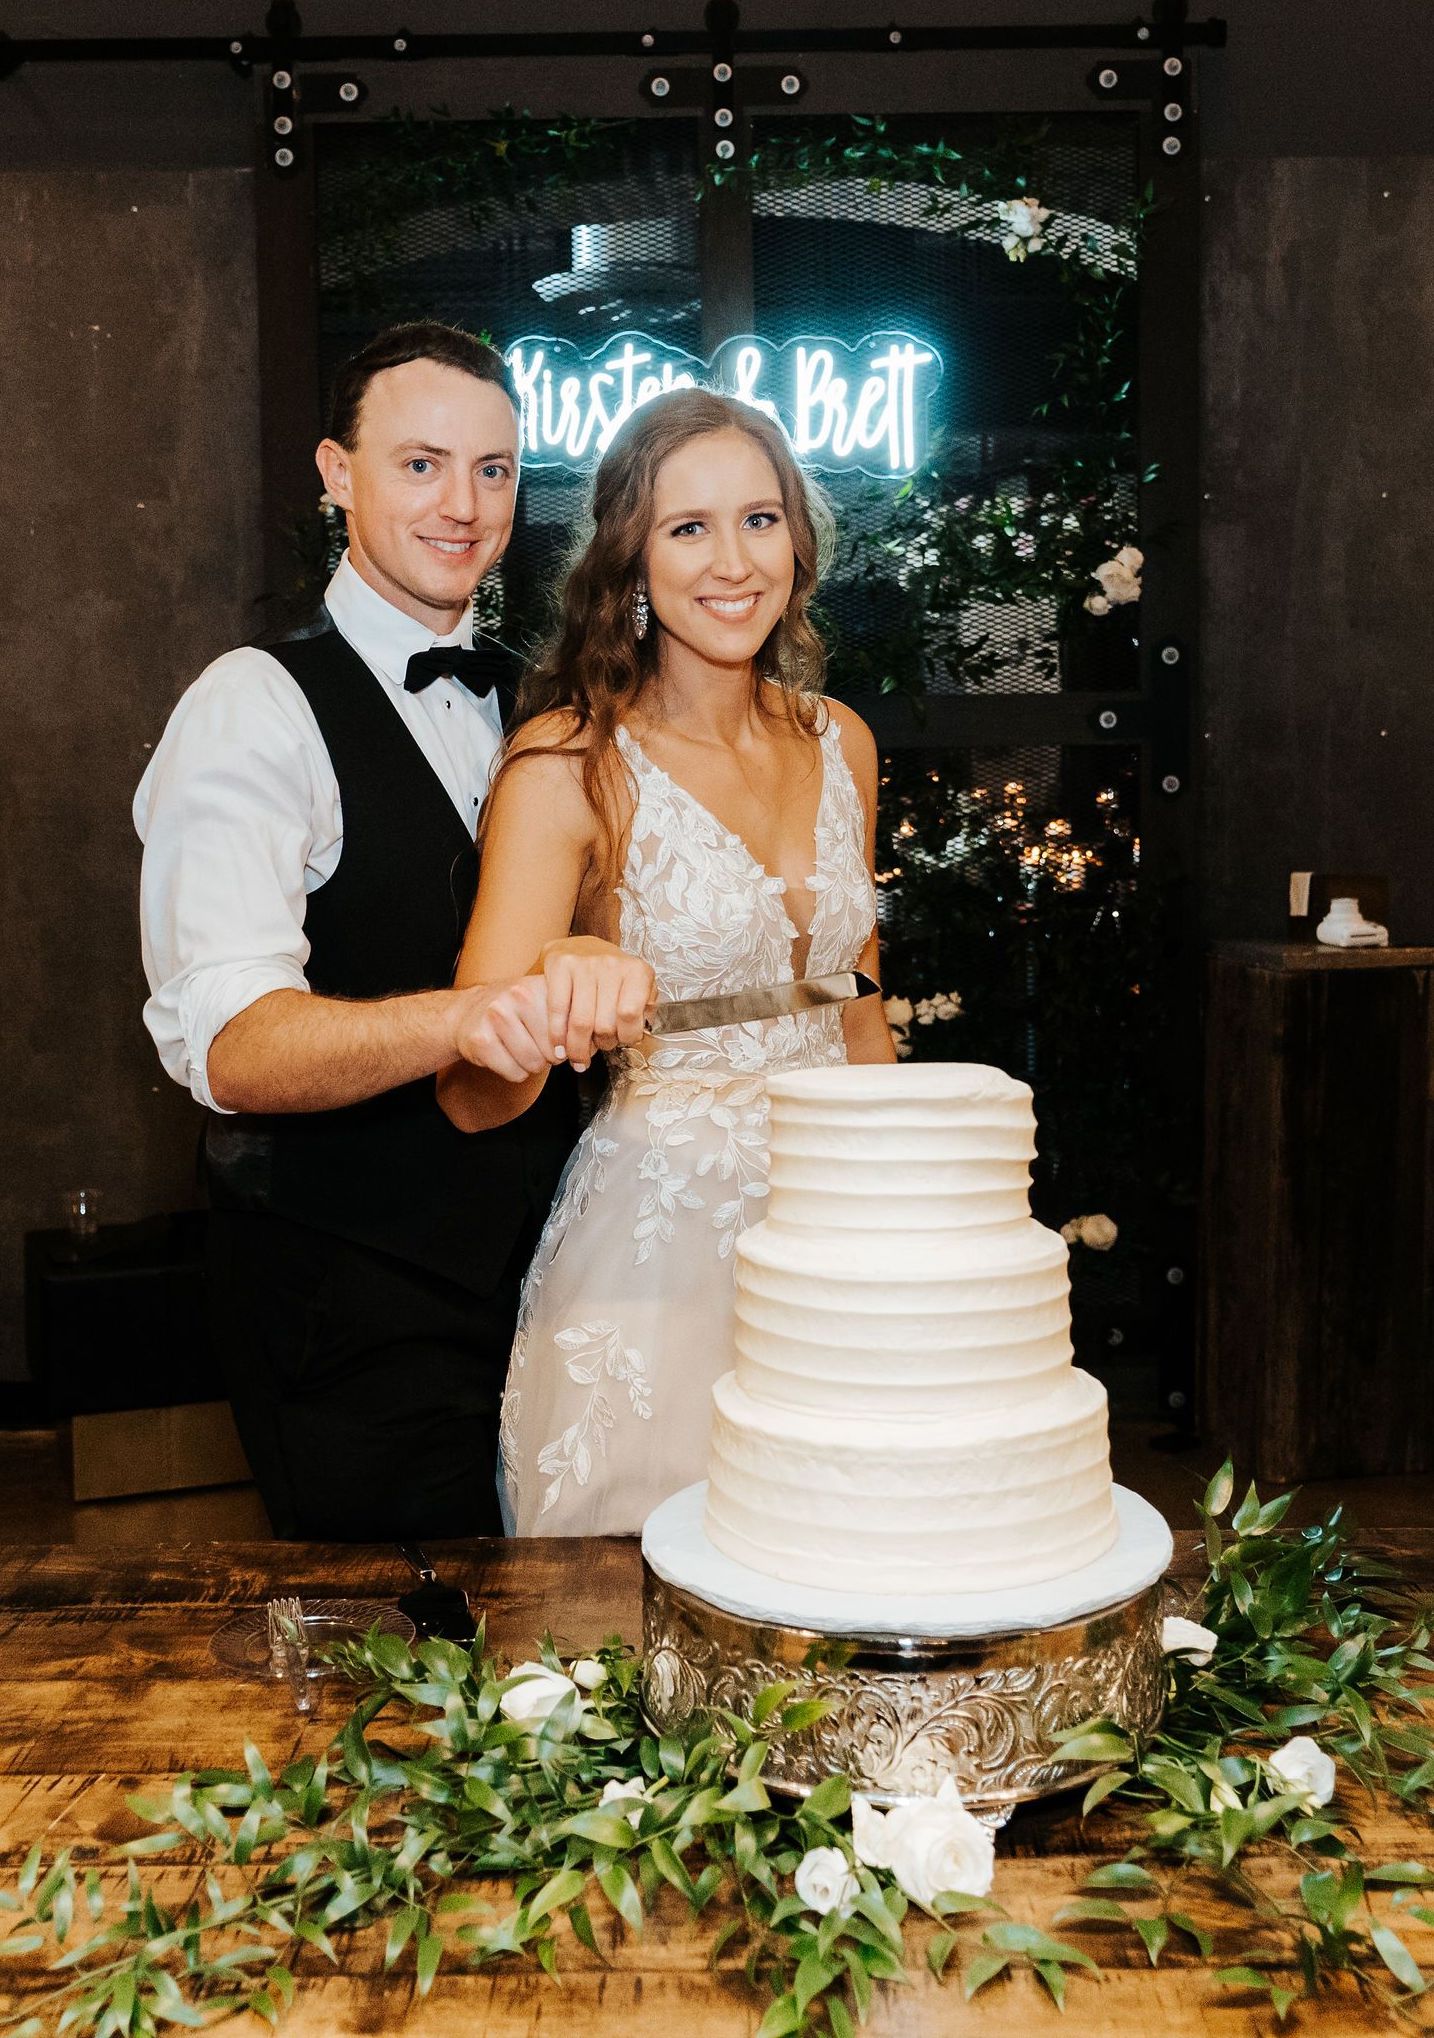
x=762, y=1001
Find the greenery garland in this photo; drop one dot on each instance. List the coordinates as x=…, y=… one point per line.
x=548, y=1778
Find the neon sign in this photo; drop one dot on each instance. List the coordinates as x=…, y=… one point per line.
x=861, y=407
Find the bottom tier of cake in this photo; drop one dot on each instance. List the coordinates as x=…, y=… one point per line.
x=1003, y=1498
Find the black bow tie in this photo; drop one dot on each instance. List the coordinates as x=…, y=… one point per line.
x=477, y=669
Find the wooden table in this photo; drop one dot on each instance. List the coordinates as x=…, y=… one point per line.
x=107, y=1687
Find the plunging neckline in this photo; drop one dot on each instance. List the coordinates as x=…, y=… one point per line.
x=777, y=884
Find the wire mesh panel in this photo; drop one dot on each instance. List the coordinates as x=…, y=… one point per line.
x=1016, y=925
x=915, y=599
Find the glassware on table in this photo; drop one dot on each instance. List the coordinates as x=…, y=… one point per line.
x=242, y=1643
x=82, y=1221
x=289, y=1649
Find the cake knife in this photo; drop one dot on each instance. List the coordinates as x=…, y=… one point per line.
x=762, y=1001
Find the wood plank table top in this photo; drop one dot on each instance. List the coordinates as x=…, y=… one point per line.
x=107, y=1687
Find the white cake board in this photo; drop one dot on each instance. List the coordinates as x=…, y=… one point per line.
x=675, y=1545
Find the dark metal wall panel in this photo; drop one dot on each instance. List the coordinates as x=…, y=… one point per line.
x=1317, y=718
x=128, y=559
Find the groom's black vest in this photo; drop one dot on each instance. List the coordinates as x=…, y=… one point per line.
x=392, y=1172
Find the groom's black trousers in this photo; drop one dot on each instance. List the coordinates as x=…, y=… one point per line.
x=365, y=1390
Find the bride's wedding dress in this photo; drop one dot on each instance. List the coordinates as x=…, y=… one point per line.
x=626, y=1318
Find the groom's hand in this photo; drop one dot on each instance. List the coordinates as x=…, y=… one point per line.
x=505, y=1028
x=598, y=997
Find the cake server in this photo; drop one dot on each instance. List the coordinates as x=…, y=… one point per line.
x=762, y=1001
x=433, y=1607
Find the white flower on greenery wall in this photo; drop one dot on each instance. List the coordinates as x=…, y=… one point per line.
x=1022, y=219
x=1119, y=581
x=1098, y=1231
x=901, y=1015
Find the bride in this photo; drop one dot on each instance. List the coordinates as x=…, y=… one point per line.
x=683, y=802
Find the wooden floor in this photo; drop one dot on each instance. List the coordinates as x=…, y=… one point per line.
x=35, y=1503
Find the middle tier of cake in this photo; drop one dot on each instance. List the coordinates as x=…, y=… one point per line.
x=932, y=1325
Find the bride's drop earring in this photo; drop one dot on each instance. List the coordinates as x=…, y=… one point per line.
x=641, y=613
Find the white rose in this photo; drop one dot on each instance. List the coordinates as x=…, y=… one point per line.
x=1023, y=219
x=1099, y=1232
x=825, y=1881
x=615, y=1792
x=588, y=1673
x=1120, y=577
x=539, y=1693
x=1303, y=1767
x=1097, y=604
x=868, y=1833
x=934, y=1844
x=899, y=1011
x=1179, y=1637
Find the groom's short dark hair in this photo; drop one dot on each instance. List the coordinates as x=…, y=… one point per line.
x=422, y=340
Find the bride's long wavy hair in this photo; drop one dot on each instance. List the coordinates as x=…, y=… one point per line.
x=594, y=666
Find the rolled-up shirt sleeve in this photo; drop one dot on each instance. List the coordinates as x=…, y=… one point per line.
x=238, y=826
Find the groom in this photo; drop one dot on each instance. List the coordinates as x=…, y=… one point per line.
x=308, y=821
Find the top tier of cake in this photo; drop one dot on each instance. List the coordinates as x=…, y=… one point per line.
x=949, y=1149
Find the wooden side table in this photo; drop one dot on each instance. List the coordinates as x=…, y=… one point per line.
x=1316, y=1334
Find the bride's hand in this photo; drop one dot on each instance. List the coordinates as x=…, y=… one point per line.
x=598, y=997
x=504, y=1027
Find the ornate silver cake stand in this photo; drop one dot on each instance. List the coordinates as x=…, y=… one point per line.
x=973, y=1687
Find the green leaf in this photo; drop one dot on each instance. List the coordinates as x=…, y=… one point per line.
x=621, y=1892
x=781, y=2019
x=1122, y=1875
x=580, y=1919
x=670, y=1868
x=983, y=1968
x=814, y=1973
x=1053, y=1975
x=603, y=1829
x=839, y=2017
x=1247, y=1513
x=1154, y=1932
x=1101, y=1744
x=1183, y=1922
x=1011, y=1937
x=1397, y=1958
x=768, y=1700
x=750, y=1796
x=31, y=1870
x=1220, y=1489
x=1093, y=1910
x=558, y=1890
x=1101, y=1789
x=805, y=1713
x=1412, y=1873
x=830, y=1800
x=430, y=1953
x=938, y=1953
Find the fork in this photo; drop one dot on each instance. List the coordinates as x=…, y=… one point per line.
x=289, y=1649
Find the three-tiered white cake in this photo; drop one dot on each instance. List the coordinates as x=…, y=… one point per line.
x=903, y=1415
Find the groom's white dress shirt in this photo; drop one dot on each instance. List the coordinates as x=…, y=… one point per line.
x=239, y=815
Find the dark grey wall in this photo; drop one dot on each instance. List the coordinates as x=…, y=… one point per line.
x=1318, y=695
x=128, y=376
x=128, y=559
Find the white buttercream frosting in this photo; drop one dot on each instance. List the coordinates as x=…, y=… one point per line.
x=903, y=1412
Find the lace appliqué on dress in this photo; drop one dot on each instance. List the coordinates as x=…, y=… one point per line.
x=626, y=1317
